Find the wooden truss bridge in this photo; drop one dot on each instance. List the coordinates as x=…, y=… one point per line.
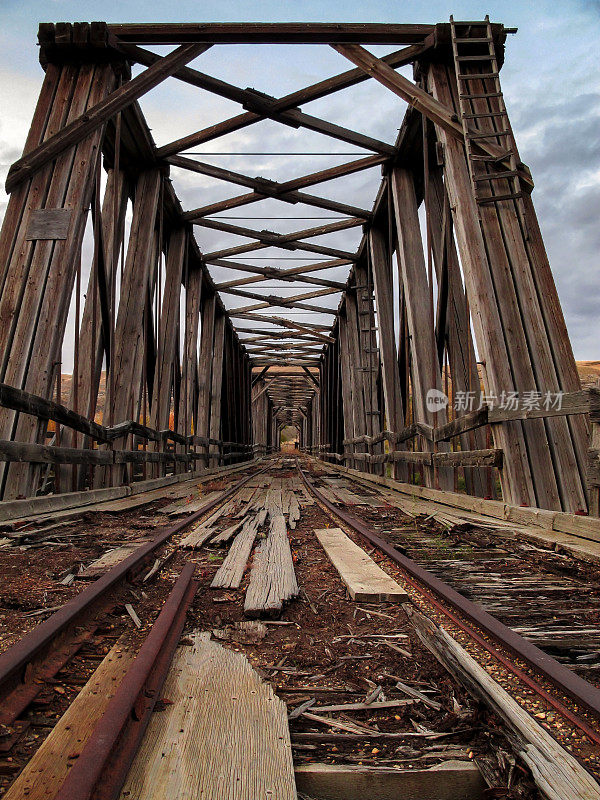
x=188, y=384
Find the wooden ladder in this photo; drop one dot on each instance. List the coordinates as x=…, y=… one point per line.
x=484, y=168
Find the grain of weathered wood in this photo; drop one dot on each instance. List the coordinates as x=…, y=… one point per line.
x=49, y=223
x=273, y=578
x=517, y=483
x=98, y=114
x=223, y=734
x=230, y=573
x=42, y=314
x=364, y=580
x=556, y=772
x=450, y=780
x=425, y=369
x=58, y=752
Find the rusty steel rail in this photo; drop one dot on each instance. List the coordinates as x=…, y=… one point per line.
x=584, y=693
x=102, y=766
x=14, y=661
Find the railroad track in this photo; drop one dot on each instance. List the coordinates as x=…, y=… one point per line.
x=443, y=580
x=32, y=664
x=100, y=768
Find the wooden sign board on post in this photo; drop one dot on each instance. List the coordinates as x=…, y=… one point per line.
x=49, y=223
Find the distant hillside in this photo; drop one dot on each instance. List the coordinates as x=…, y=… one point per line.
x=589, y=373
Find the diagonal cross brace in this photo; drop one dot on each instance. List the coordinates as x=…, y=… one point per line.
x=95, y=117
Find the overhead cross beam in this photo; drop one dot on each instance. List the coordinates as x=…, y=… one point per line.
x=285, y=302
x=264, y=188
x=264, y=104
x=288, y=197
x=303, y=327
x=298, y=278
x=313, y=92
x=286, y=241
x=269, y=32
x=262, y=273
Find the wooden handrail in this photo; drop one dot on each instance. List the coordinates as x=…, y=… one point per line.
x=26, y=403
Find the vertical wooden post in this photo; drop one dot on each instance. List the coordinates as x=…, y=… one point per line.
x=456, y=319
x=46, y=119
x=161, y=395
x=167, y=333
x=216, y=388
x=40, y=274
x=128, y=356
x=517, y=483
x=425, y=370
x=207, y=334
x=189, y=390
x=358, y=376
x=384, y=300
x=347, y=388
x=91, y=348
x=514, y=345
x=370, y=358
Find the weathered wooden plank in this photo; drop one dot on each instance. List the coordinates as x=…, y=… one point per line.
x=553, y=461
x=450, y=780
x=129, y=327
x=12, y=229
x=42, y=308
x=189, y=390
x=48, y=223
x=453, y=325
x=556, y=772
x=208, y=313
x=41, y=454
x=84, y=390
x=230, y=573
x=425, y=368
x=517, y=483
x=441, y=114
x=107, y=560
x=270, y=32
x=272, y=579
x=161, y=395
x=55, y=756
x=222, y=718
x=364, y=580
x=217, y=356
x=384, y=299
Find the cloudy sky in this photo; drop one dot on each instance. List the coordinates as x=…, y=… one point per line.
x=551, y=82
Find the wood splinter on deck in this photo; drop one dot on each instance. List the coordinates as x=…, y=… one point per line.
x=365, y=581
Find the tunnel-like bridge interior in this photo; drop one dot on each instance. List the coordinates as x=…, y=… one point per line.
x=393, y=302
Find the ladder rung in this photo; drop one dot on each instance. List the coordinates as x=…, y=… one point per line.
x=477, y=75
x=486, y=114
x=497, y=198
x=492, y=159
x=490, y=135
x=483, y=57
x=481, y=95
x=474, y=40
x=508, y=174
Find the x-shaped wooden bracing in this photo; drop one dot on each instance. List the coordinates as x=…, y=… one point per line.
x=284, y=110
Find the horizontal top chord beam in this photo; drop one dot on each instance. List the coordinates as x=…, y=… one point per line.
x=270, y=33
